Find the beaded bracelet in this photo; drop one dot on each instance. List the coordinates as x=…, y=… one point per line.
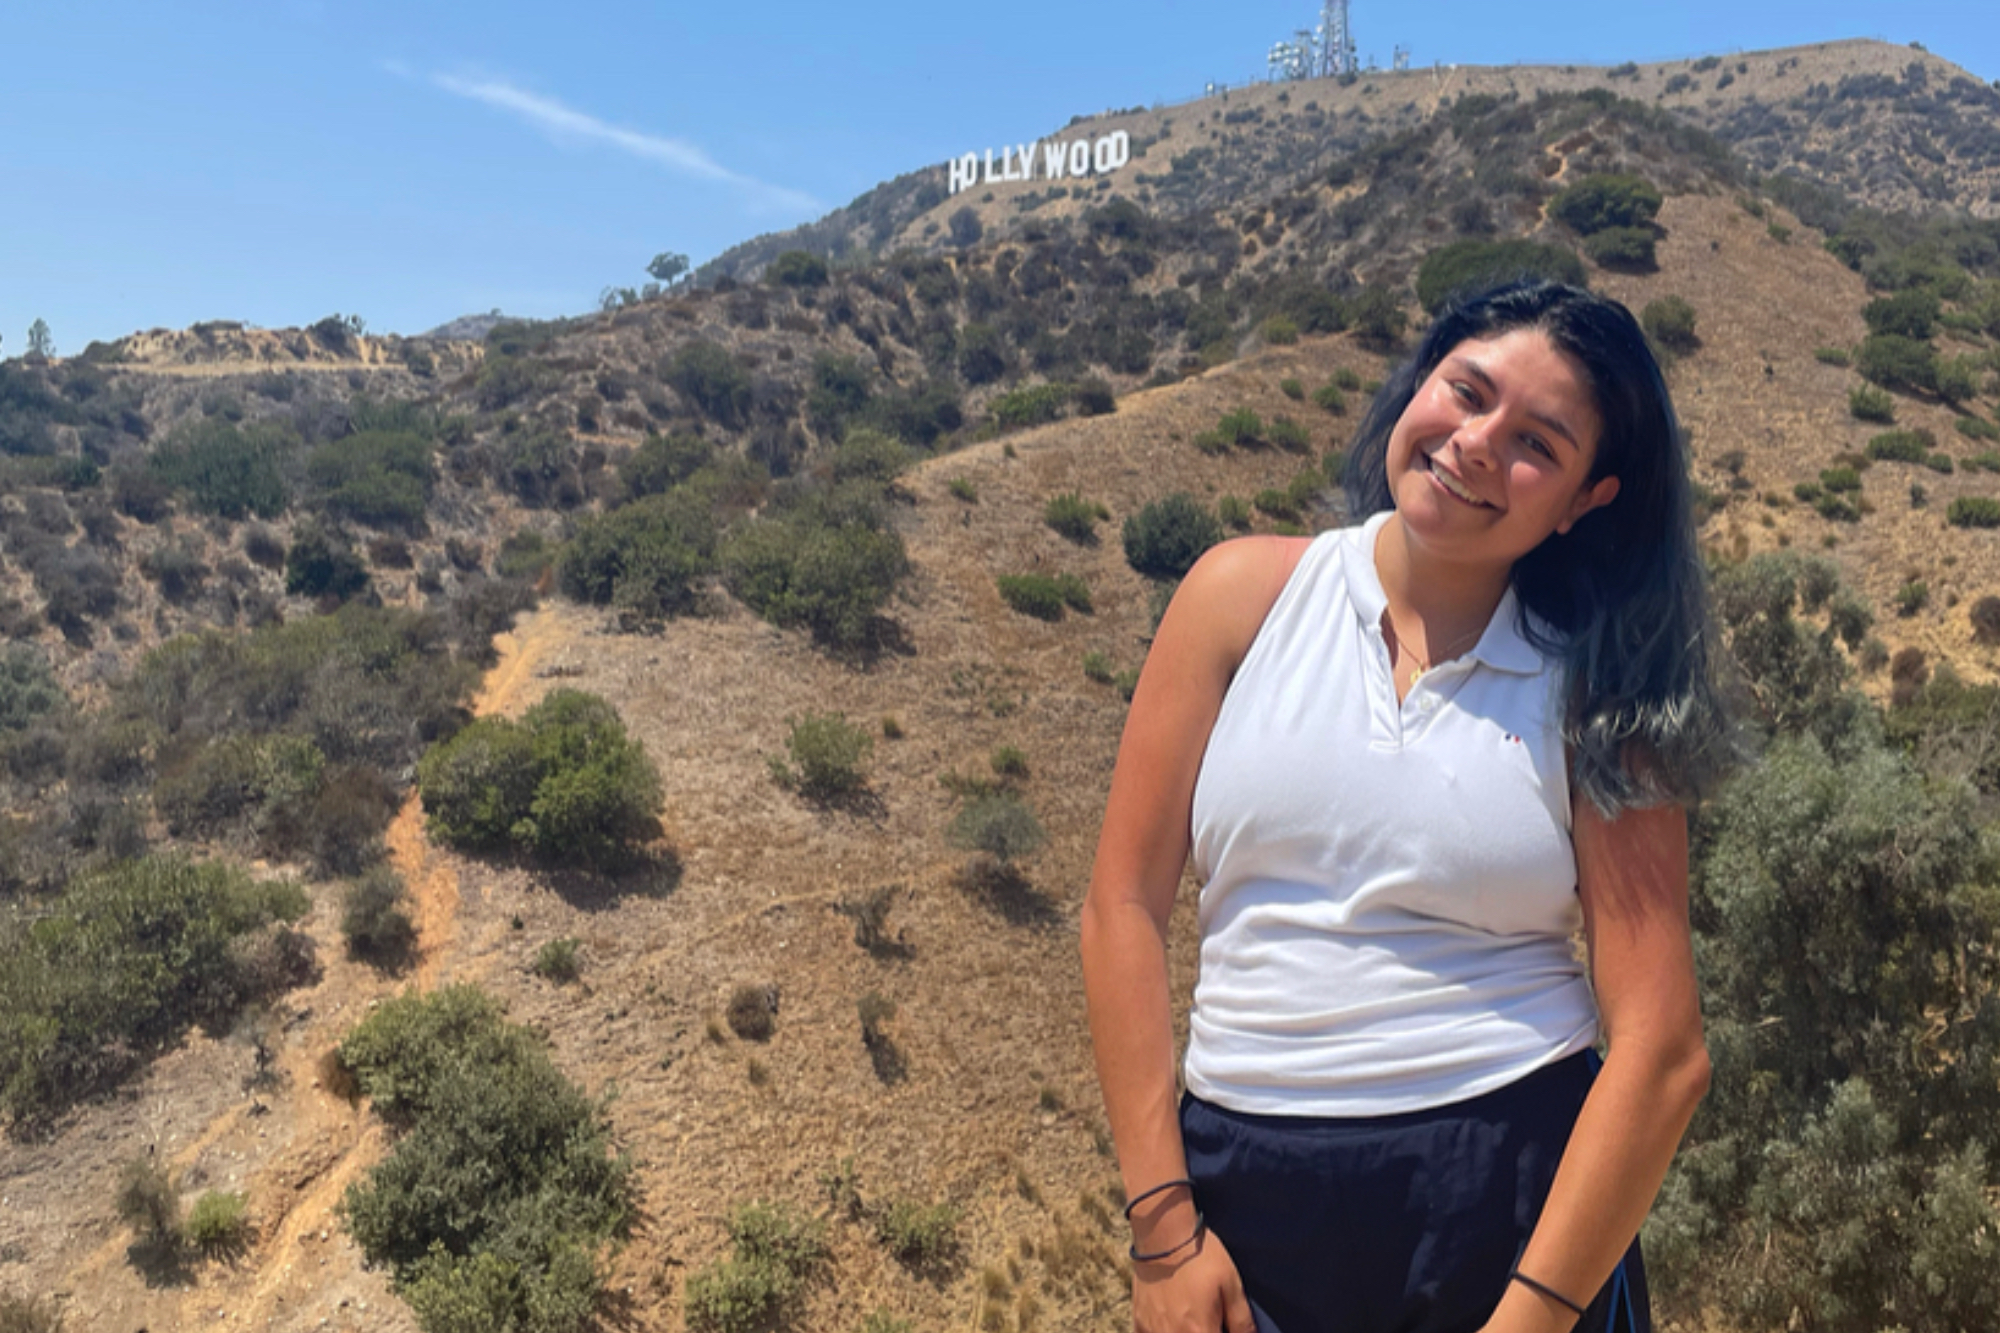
x=1516, y=1275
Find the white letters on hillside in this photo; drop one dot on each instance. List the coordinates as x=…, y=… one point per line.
x=1078, y=157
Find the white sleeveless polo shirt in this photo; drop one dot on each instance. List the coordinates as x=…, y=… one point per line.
x=1388, y=889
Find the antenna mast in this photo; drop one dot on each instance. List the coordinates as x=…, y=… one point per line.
x=1336, y=39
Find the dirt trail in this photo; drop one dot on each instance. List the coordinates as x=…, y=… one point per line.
x=295, y=1199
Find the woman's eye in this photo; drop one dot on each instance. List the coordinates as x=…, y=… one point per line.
x=1465, y=395
x=1540, y=446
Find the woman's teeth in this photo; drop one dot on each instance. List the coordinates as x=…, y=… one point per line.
x=1455, y=486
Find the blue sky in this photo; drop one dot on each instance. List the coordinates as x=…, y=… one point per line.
x=162, y=163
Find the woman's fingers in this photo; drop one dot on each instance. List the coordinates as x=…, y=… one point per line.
x=1236, y=1317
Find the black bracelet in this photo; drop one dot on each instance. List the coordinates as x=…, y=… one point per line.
x=1200, y=1228
x=1157, y=1189
x=1516, y=1275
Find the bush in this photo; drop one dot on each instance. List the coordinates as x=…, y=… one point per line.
x=1097, y=667
x=1897, y=363
x=828, y=572
x=1866, y=403
x=1902, y=446
x=29, y=690
x=776, y=1251
x=1288, y=435
x=1093, y=397
x=1075, y=517
x=1164, y=539
x=1029, y=405
x=1293, y=388
x=320, y=565
x=1036, y=595
x=1669, y=321
x=1599, y=203
x=1840, y=480
x=1973, y=428
x=1330, y=397
x=132, y=955
x=646, y=558
x=218, y=1223
x=999, y=825
x=752, y=1013
x=381, y=478
x=1233, y=511
x=502, y=1186
x=663, y=462
x=31, y=1314
x=556, y=961
x=828, y=752
x=1909, y=314
x=149, y=1201
x=867, y=454
x=712, y=380
x=918, y=1235
x=797, y=268
x=1628, y=248
x=226, y=471
x=1985, y=618
x=1378, y=317
x=1832, y=356
x=565, y=783
x=1974, y=511
x=373, y=921
x=982, y=354
x=1468, y=266
x=1279, y=330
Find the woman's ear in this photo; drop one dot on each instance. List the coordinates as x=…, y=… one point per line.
x=1594, y=496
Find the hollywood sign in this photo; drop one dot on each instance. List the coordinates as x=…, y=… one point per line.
x=1058, y=160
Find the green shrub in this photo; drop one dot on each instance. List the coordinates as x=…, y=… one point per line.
x=815, y=569
x=1956, y=380
x=1010, y=762
x=1164, y=539
x=1988, y=461
x=1233, y=512
x=1075, y=517
x=1896, y=362
x=1330, y=397
x=1974, y=511
x=1000, y=825
x=1912, y=597
x=1909, y=314
x=556, y=960
x=1288, y=435
x=149, y=1202
x=29, y=690
x=918, y=1235
x=505, y=380
x=1867, y=403
x=1029, y=405
x=502, y=1187
x=1346, y=379
x=663, y=462
x=373, y=921
x=218, y=1223
x=1628, y=248
x=1280, y=330
x=1598, y=203
x=797, y=268
x=318, y=564
x=1037, y=595
x=380, y=478
x=1669, y=321
x=1293, y=388
x=713, y=380
x=1097, y=667
x=1278, y=504
x=828, y=752
x=32, y=1314
x=1975, y=428
x=776, y=1251
x=1840, y=479
x=1832, y=356
x=1467, y=266
x=565, y=784
x=132, y=955
x=1837, y=509
x=646, y=558
x=1939, y=462
x=227, y=471
x=1379, y=318
x=1902, y=446
x=752, y=1012
x=962, y=488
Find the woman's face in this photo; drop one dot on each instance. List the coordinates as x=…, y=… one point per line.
x=1494, y=452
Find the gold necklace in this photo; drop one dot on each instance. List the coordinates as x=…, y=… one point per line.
x=1451, y=649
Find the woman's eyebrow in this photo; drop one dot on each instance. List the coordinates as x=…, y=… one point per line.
x=1478, y=372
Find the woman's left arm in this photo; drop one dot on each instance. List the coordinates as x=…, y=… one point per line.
x=1632, y=877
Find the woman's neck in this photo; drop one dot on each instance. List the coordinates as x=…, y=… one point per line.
x=1449, y=598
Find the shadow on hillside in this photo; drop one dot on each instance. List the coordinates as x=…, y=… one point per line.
x=160, y=1262
x=1005, y=890
x=653, y=872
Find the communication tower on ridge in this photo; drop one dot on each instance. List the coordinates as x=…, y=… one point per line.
x=1401, y=58
x=1336, y=40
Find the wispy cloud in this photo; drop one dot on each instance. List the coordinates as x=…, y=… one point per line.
x=566, y=125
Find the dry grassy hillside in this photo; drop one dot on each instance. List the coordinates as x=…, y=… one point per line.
x=996, y=1110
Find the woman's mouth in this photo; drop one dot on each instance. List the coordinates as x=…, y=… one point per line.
x=1452, y=486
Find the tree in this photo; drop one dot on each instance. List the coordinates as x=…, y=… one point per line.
x=668, y=267
x=39, y=341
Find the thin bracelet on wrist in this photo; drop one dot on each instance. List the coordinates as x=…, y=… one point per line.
x=1200, y=1228
x=1161, y=1188
x=1516, y=1275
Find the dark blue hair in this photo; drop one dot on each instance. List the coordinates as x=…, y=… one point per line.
x=1621, y=598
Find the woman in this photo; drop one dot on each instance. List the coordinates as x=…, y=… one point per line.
x=1410, y=759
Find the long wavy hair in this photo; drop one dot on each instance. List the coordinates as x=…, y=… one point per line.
x=1620, y=599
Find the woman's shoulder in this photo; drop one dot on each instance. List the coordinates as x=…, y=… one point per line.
x=1232, y=588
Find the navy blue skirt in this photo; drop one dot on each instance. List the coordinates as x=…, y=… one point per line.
x=1399, y=1223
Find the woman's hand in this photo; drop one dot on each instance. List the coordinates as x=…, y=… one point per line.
x=1197, y=1291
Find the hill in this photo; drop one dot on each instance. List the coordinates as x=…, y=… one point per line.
x=176, y=483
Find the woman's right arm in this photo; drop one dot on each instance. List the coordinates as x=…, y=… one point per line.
x=1141, y=850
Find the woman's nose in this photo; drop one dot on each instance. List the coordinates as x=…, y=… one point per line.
x=1475, y=439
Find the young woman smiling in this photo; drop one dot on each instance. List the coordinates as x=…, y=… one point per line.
x=1410, y=760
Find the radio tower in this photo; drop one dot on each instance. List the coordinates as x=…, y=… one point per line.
x=1336, y=39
